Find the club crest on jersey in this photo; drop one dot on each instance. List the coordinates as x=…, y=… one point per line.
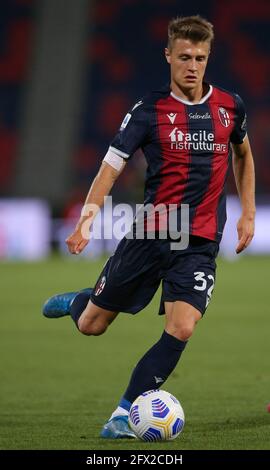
x=224, y=117
x=100, y=285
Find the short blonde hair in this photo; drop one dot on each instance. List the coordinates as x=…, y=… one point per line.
x=194, y=28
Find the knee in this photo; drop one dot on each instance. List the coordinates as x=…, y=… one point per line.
x=182, y=331
x=92, y=328
x=186, y=332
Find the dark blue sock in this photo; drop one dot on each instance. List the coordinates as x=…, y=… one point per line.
x=79, y=304
x=155, y=366
x=125, y=404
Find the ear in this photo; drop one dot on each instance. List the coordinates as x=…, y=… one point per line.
x=168, y=55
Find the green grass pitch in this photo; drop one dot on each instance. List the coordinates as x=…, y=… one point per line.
x=58, y=386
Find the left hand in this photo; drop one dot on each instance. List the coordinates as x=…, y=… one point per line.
x=245, y=229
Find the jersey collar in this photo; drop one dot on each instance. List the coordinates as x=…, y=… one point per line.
x=189, y=103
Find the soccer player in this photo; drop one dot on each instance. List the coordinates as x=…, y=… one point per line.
x=186, y=131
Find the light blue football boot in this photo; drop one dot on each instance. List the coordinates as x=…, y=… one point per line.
x=117, y=428
x=59, y=305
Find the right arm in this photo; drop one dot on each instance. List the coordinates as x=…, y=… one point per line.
x=129, y=138
x=99, y=189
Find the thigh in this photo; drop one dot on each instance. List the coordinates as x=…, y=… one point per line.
x=130, y=278
x=180, y=311
x=191, y=278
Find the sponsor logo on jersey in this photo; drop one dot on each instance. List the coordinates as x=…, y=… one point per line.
x=199, y=116
x=101, y=285
x=128, y=115
x=224, y=117
x=125, y=121
x=201, y=140
x=172, y=117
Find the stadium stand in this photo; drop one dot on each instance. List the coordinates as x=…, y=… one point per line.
x=125, y=59
x=16, y=28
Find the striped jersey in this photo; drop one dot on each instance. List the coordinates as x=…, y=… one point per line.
x=187, y=149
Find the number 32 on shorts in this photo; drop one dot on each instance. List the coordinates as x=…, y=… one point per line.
x=201, y=284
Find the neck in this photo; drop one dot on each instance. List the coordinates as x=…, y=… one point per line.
x=193, y=95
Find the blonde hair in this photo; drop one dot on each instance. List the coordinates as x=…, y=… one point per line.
x=194, y=28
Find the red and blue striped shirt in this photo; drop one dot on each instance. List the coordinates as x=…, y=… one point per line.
x=187, y=149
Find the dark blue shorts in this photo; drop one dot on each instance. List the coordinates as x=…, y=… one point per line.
x=133, y=274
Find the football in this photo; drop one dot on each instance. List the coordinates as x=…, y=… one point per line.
x=156, y=415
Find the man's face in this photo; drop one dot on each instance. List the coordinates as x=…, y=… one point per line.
x=188, y=61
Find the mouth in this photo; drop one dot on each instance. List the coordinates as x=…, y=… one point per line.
x=191, y=78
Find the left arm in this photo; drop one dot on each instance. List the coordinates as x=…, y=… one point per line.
x=244, y=174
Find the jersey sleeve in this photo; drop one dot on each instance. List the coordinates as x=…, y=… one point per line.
x=240, y=127
x=132, y=133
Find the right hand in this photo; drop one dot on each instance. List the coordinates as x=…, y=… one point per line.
x=76, y=242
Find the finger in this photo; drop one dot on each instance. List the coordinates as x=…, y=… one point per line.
x=71, y=247
x=73, y=250
x=80, y=246
x=239, y=249
x=75, y=247
x=241, y=244
x=248, y=241
x=69, y=239
x=73, y=239
x=76, y=244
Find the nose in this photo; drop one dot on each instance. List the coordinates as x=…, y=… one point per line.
x=192, y=65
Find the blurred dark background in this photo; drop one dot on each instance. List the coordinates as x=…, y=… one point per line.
x=70, y=70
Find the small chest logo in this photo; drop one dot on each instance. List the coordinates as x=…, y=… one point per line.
x=172, y=117
x=100, y=285
x=224, y=117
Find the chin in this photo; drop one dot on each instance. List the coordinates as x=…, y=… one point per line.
x=188, y=86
